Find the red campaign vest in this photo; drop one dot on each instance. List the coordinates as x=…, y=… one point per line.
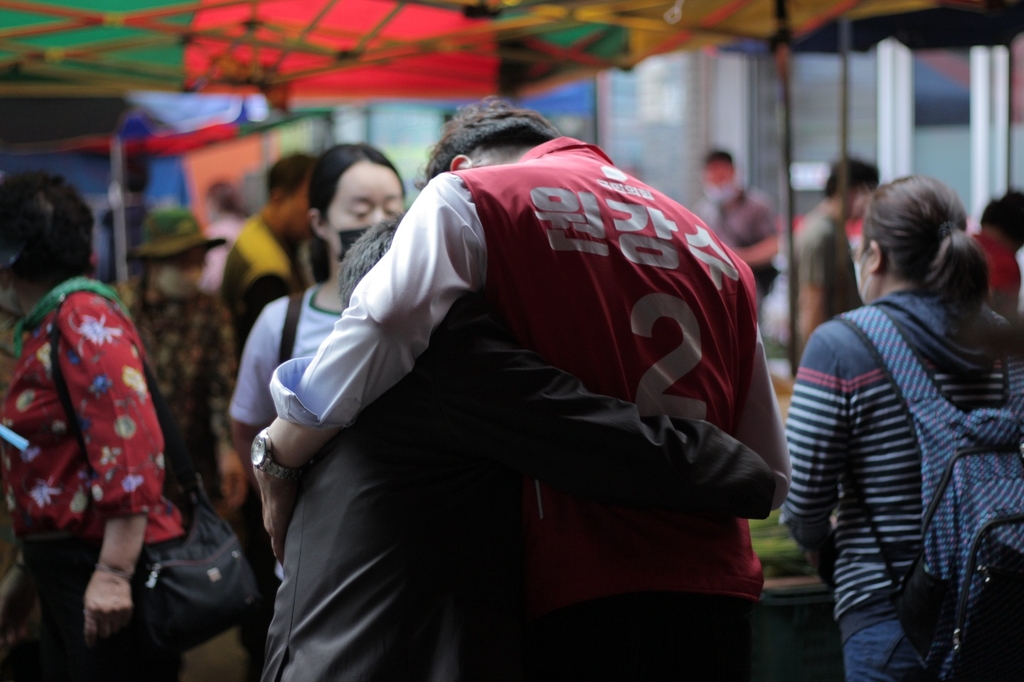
x=616, y=283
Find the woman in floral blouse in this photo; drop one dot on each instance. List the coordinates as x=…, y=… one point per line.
x=82, y=517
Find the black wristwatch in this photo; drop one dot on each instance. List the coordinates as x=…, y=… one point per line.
x=262, y=459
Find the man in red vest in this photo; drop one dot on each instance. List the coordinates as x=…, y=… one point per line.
x=614, y=282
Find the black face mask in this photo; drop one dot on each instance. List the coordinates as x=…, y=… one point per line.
x=349, y=237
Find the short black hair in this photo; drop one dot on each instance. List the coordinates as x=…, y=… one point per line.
x=364, y=254
x=862, y=174
x=491, y=123
x=1007, y=216
x=718, y=155
x=289, y=173
x=52, y=220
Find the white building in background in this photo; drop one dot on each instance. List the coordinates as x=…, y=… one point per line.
x=946, y=113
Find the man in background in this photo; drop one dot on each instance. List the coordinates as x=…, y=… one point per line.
x=1001, y=237
x=225, y=219
x=263, y=264
x=742, y=218
x=135, y=210
x=827, y=284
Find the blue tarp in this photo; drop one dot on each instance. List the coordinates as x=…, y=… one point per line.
x=90, y=173
x=923, y=30
x=927, y=29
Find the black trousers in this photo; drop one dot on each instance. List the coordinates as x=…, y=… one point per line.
x=61, y=570
x=643, y=637
x=260, y=554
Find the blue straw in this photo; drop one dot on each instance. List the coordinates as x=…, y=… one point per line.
x=14, y=439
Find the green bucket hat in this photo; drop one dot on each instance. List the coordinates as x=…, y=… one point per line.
x=169, y=232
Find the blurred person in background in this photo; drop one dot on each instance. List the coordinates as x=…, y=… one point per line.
x=21, y=661
x=1001, y=237
x=190, y=342
x=351, y=186
x=819, y=266
x=853, y=444
x=742, y=218
x=135, y=209
x=263, y=265
x=225, y=217
x=82, y=517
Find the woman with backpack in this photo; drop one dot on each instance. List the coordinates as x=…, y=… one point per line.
x=857, y=447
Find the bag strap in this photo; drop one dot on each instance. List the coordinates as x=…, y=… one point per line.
x=291, y=327
x=889, y=344
x=848, y=320
x=175, y=450
x=61, y=385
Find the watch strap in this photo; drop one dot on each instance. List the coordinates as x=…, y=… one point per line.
x=269, y=466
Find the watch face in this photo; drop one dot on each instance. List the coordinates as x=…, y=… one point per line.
x=259, y=450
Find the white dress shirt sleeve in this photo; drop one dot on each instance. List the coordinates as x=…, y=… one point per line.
x=760, y=427
x=438, y=255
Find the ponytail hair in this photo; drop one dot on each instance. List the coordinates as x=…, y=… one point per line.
x=919, y=224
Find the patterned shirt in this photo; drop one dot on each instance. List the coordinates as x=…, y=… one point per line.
x=51, y=486
x=191, y=347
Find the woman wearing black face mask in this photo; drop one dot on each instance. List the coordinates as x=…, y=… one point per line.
x=352, y=186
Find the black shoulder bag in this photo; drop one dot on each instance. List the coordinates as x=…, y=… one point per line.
x=197, y=586
x=291, y=327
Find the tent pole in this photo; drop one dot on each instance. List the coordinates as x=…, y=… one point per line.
x=1000, y=120
x=981, y=128
x=116, y=196
x=841, y=246
x=1009, y=117
x=781, y=49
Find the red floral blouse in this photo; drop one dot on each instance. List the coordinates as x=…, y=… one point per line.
x=51, y=486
